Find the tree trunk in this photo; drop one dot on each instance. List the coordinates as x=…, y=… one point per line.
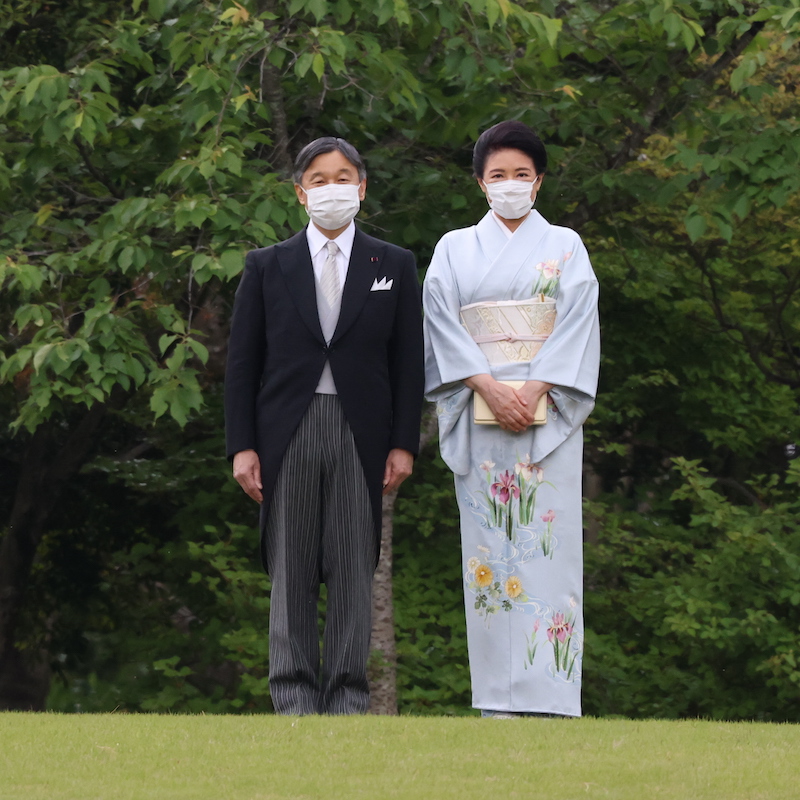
x=44, y=470
x=383, y=663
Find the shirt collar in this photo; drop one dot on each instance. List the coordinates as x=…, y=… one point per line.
x=317, y=240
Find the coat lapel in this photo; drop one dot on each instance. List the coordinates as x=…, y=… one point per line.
x=295, y=261
x=366, y=259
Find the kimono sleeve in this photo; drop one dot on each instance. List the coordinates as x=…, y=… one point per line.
x=450, y=356
x=450, y=353
x=570, y=358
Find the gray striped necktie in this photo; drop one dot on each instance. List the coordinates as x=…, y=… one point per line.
x=329, y=282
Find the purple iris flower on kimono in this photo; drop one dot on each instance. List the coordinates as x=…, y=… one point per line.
x=513, y=300
x=505, y=488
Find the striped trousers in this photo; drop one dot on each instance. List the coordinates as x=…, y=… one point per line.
x=320, y=528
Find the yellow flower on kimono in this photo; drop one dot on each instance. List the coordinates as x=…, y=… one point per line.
x=483, y=575
x=513, y=587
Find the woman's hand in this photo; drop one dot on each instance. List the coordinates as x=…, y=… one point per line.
x=511, y=409
x=532, y=391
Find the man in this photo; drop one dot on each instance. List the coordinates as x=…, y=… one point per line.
x=323, y=396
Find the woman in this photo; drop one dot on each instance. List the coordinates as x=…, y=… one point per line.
x=514, y=298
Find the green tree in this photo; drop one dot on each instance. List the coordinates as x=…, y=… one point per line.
x=146, y=151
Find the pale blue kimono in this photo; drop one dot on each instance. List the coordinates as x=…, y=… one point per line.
x=519, y=494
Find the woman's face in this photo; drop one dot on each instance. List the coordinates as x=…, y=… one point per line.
x=510, y=165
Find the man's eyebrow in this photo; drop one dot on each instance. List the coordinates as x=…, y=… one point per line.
x=344, y=170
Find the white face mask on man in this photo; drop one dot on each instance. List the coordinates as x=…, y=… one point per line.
x=333, y=205
x=510, y=199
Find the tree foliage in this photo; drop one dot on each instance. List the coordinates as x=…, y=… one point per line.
x=145, y=147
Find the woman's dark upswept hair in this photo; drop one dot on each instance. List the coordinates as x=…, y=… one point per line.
x=509, y=135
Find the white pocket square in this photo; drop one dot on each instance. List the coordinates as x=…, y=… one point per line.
x=381, y=285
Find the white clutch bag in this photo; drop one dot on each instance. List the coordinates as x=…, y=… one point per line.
x=483, y=414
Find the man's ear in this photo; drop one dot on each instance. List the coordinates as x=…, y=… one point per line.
x=301, y=194
x=362, y=189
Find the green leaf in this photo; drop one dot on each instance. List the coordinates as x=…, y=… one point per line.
x=32, y=88
x=232, y=261
x=165, y=341
x=303, y=64
x=156, y=8
x=492, y=12
x=125, y=257
x=41, y=355
x=200, y=350
x=319, y=8
x=318, y=65
x=695, y=227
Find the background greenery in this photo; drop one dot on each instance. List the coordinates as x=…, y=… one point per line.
x=145, y=147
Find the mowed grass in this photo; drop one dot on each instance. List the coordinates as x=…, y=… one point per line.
x=50, y=756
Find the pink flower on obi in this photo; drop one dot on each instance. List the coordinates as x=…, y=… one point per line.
x=505, y=487
x=549, y=516
x=559, y=628
x=549, y=268
x=536, y=624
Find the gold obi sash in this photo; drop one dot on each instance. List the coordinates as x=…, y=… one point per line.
x=510, y=330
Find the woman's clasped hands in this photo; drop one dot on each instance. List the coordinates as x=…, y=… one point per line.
x=514, y=409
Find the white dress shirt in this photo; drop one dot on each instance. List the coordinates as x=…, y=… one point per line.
x=317, y=242
x=316, y=246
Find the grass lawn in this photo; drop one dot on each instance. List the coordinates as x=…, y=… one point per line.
x=50, y=756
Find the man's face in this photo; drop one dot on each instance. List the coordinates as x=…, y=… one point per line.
x=330, y=167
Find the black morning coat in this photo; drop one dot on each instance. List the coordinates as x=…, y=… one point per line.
x=276, y=354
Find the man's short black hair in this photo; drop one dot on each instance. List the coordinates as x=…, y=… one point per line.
x=507, y=135
x=327, y=144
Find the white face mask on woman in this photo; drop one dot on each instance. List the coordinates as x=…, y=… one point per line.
x=333, y=205
x=510, y=199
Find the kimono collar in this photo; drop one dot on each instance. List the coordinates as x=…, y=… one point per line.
x=507, y=232
x=493, y=240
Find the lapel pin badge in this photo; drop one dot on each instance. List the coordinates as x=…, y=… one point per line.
x=374, y=259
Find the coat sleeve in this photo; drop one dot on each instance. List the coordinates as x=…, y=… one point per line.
x=406, y=362
x=245, y=363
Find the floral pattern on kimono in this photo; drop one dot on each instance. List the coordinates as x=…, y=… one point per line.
x=519, y=494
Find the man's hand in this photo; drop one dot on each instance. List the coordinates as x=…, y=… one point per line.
x=510, y=407
x=399, y=466
x=247, y=471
